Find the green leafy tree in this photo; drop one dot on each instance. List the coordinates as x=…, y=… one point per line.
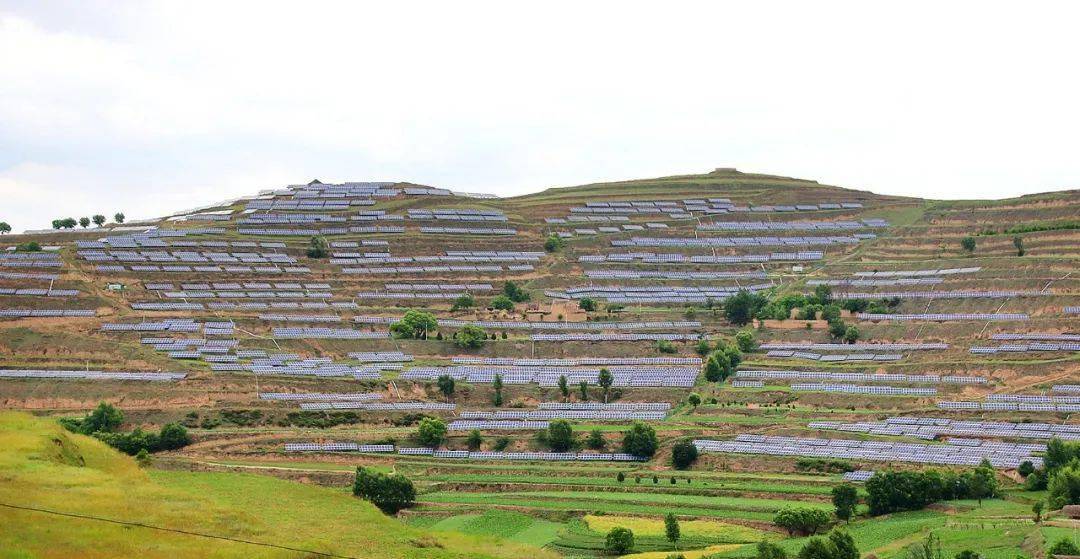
x=389, y=492
x=929, y=548
x=739, y=308
x=514, y=292
x=596, y=440
x=605, y=381
x=99, y=220
x=694, y=399
x=1037, y=510
x=621, y=477
x=587, y=304
x=744, y=340
x=837, y=329
x=318, y=247
x=683, y=455
x=497, y=384
x=983, y=482
x=446, y=385
x=702, y=348
x=1064, y=486
x=843, y=545
x=665, y=346
x=844, y=498
x=968, y=244
x=1018, y=242
x=769, y=550
x=431, y=432
x=640, y=440
x=967, y=554
x=583, y=390
x=502, y=303
x=118, y=217
x=470, y=336
x=801, y=520
x=5, y=228
x=173, y=436
x=84, y=222
x=554, y=243
x=104, y=418
x=671, y=529
x=817, y=548
x=713, y=370
x=564, y=387
x=464, y=301
x=1064, y=546
x=560, y=435
x=851, y=334
x=619, y=541
x=414, y=325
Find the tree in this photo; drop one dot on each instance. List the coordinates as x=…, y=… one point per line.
x=665, y=346
x=514, y=292
x=844, y=498
x=497, y=384
x=464, y=301
x=683, y=455
x=843, y=545
x=318, y=247
x=471, y=336
x=1037, y=509
x=605, y=380
x=851, y=334
x=596, y=440
x=1026, y=468
x=104, y=418
x=142, y=458
x=502, y=303
x=57, y=223
x=4, y=228
x=554, y=243
x=769, y=550
x=744, y=340
x=837, y=329
x=29, y=246
x=968, y=244
x=446, y=385
x=713, y=371
x=474, y=440
x=801, y=520
x=929, y=548
x=671, y=529
x=68, y=223
x=431, y=432
x=99, y=220
x=694, y=399
x=739, y=308
x=583, y=390
x=1018, y=242
x=1064, y=546
x=587, y=304
x=822, y=294
x=560, y=435
x=967, y=554
x=173, y=436
x=84, y=222
x=640, y=440
x=1064, y=486
x=414, y=325
x=817, y=548
x=983, y=482
x=118, y=217
x=619, y=541
x=702, y=348
x=564, y=387
x=389, y=492
x=621, y=477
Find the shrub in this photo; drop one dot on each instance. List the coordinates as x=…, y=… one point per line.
x=587, y=304
x=744, y=340
x=619, y=541
x=471, y=336
x=446, y=385
x=851, y=334
x=464, y=301
x=29, y=246
x=1064, y=486
x=318, y=247
x=769, y=550
x=390, y=493
x=554, y=243
x=501, y=443
x=694, y=399
x=502, y=303
x=702, y=348
x=474, y=440
x=1064, y=546
x=560, y=435
x=968, y=244
x=515, y=293
x=431, y=432
x=665, y=346
x=596, y=440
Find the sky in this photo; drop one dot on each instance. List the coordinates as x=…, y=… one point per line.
x=154, y=107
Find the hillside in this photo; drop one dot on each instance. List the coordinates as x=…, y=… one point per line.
x=885, y=333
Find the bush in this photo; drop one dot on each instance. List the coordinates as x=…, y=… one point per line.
x=844, y=498
x=173, y=436
x=619, y=541
x=104, y=418
x=739, y=308
x=554, y=243
x=502, y=303
x=474, y=440
x=837, y=329
x=744, y=340
x=390, y=493
x=683, y=455
x=801, y=520
x=1064, y=546
x=30, y=246
x=694, y=399
x=851, y=334
x=431, y=432
x=769, y=550
x=501, y=443
x=968, y=244
x=515, y=293
x=702, y=348
x=1064, y=486
x=640, y=440
x=665, y=346
x=587, y=304
x=464, y=301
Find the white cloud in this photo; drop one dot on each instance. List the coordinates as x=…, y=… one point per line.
x=170, y=105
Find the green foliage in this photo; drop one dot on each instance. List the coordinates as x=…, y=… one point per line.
x=769, y=550
x=596, y=440
x=431, y=432
x=605, y=381
x=474, y=440
x=414, y=325
x=104, y=418
x=560, y=435
x=1064, y=486
x=5, y=228
x=619, y=541
x=464, y=301
x=446, y=385
x=683, y=455
x=470, y=336
x=318, y=247
x=1064, y=546
x=1018, y=242
x=497, y=385
x=739, y=309
x=816, y=548
x=142, y=458
x=968, y=244
x=84, y=222
x=390, y=493
x=893, y=491
x=671, y=528
x=99, y=220
x=502, y=303
x=173, y=436
x=1026, y=468
x=967, y=554
x=702, y=348
x=851, y=334
x=621, y=477
x=587, y=304
x=554, y=243
x=665, y=346
x=844, y=499
x=855, y=305
x=983, y=482
x=1037, y=510
x=118, y=217
x=837, y=329
x=29, y=246
x=830, y=313
x=744, y=340
x=823, y=465
x=583, y=390
x=694, y=399
x=501, y=443
x=564, y=387
x=640, y=440
x=801, y=520
x=929, y=548
x=1059, y=453
x=843, y=545
x=822, y=295
x=515, y=293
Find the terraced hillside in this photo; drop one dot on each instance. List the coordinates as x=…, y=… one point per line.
x=305, y=331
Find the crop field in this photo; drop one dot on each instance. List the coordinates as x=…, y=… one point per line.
x=672, y=294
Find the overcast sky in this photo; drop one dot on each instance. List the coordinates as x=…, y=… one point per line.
x=152, y=107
